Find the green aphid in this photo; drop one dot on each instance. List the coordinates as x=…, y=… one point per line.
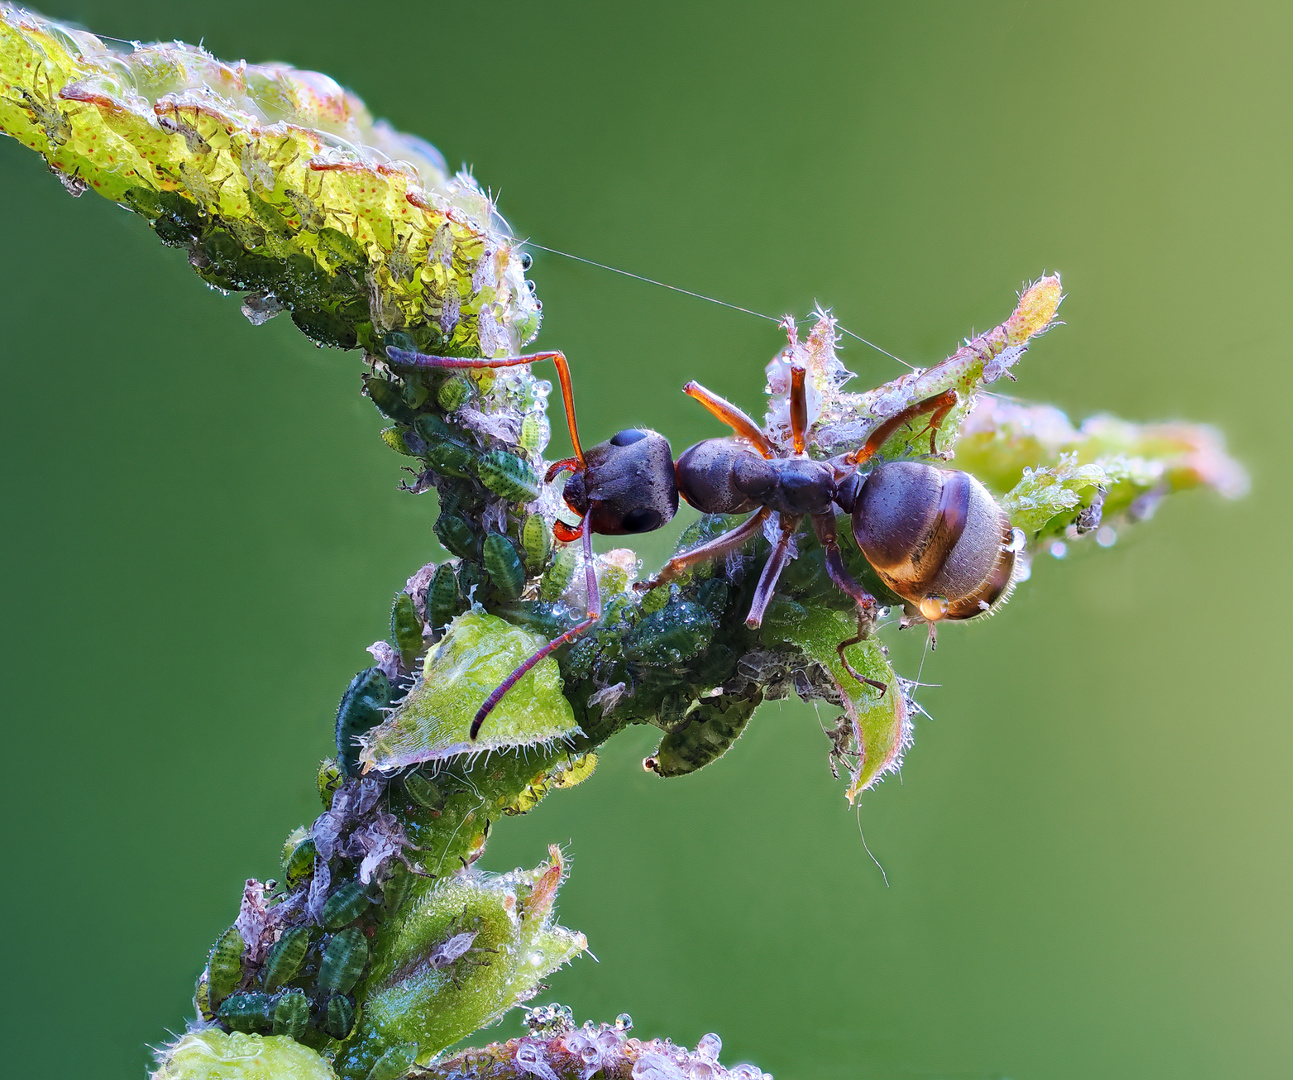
x=508, y=476
x=394, y=1063
x=326, y=327
x=268, y=216
x=338, y=1016
x=291, y=1014
x=537, y=617
x=344, y=906
x=442, y=597
x=615, y=579
x=363, y=706
x=297, y=860
x=433, y=428
x=285, y=958
x=343, y=961
x=503, y=562
x=457, y=536
x=248, y=1011
x=654, y=600
x=714, y=727
x=415, y=390
x=395, y=889
x=202, y=998
x=224, y=965
x=782, y=615
x=450, y=459
x=471, y=581
x=713, y=595
x=536, y=542
x=222, y=248
x=423, y=791
x=343, y=249
x=671, y=636
x=393, y=437
x=559, y=574
x=454, y=393
x=330, y=778
x=406, y=627
x=388, y=398
x=535, y=433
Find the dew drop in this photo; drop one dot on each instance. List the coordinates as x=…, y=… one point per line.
x=624, y=1022
x=1059, y=549
x=710, y=1046
x=1017, y=540
x=1106, y=536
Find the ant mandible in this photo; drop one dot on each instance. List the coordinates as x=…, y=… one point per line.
x=936, y=537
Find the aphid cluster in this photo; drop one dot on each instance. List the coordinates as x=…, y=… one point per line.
x=291, y=962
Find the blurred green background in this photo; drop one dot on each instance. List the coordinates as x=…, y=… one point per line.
x=1088, y=852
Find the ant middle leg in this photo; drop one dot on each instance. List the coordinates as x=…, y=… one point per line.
x=708, y=551
x=777, y=562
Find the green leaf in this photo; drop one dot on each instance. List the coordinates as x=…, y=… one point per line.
x=470, y=949
x=476, y=654
x=213, y=1055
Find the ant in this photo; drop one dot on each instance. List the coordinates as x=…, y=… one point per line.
x=936, y=537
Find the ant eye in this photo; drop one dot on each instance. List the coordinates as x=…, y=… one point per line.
x=526, y=261
x=628, y=437
x=641, y=520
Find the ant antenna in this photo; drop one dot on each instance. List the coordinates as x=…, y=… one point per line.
x=700, y=296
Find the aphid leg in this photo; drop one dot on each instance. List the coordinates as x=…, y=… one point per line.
x=406, y=359
x=939, y=405
x=862, y=634
x=777, y=560
x=732, y=417
x=594, y=613
x=711, y=549
x=798, y=408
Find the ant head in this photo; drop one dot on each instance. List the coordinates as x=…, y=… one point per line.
x=627, y=484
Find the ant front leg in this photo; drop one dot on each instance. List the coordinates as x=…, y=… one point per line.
x=732, y=416
x=594, y=613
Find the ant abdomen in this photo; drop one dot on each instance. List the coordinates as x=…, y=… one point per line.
x=936, y=537
x=626, y=485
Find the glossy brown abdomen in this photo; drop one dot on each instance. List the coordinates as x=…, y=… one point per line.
x=936, y=537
